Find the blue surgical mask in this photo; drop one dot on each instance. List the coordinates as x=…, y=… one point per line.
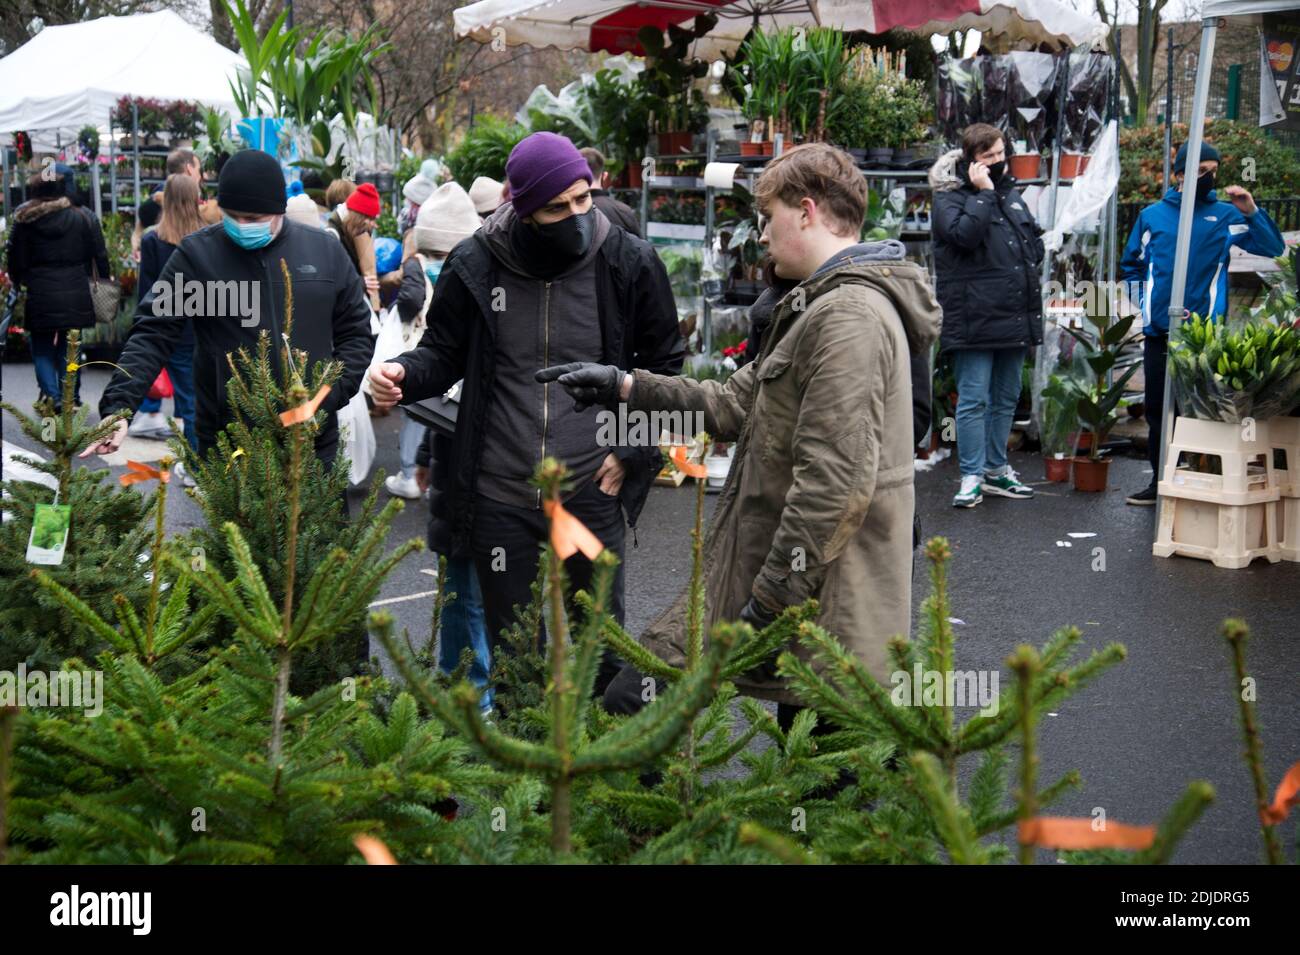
x=433, y=268
x=247, y=235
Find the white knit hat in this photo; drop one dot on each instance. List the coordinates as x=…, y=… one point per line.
x=302, y=209
x=445, y=218
x=486, y=193
x=418, y=189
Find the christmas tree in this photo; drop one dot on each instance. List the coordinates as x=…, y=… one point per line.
x=243, y=481
x=1274, y=811
x=569, y=752
x=226, y=763
x=108, y=532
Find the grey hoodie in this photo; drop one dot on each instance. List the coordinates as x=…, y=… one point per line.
x=542, y=323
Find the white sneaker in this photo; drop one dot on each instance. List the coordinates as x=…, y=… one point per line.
x=150, y=425
x=969, y=495
x=183, y=475
x=399, y=486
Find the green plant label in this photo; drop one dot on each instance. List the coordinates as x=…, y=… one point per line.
x=49, y=536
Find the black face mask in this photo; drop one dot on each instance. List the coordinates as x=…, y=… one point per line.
x=1204, y=186
x=551, y=248
x=997, y=170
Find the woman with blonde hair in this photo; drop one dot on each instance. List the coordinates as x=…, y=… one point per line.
x=180, y=217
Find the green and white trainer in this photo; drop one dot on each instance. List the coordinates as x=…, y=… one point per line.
x=969, y=495
x=1006, y=485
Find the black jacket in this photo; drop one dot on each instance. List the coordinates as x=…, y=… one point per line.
x=619, y=213
x=154, y=253
x=331, y=321
x=51, y=248
x=987, y=255
x=638, y=318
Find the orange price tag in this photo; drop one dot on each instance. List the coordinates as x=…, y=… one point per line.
x=305, y=410
x=1059, y=832
x=135, y=471
x=373, y=851
x=1287, y=795
x=569, y=535
x=687, y=467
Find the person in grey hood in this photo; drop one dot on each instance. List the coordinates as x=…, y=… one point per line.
x=547, y=279
x=819, y=501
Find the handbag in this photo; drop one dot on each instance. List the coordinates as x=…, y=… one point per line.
x=105, y=294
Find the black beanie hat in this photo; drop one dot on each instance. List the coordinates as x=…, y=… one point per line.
x=251, y=181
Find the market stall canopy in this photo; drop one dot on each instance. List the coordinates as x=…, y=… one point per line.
x=602, y=25
x=1241, y=8
x=67, y=77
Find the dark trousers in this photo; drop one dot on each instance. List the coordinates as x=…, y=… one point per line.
x=1155, y=353
x=507, y=544
x=50, y=356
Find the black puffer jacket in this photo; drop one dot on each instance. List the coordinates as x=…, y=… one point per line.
x=987, y=254
x=638, y=321
x=331, y=321
x=51, y=249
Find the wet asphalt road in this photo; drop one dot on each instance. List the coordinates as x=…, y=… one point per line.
x=1165, y=716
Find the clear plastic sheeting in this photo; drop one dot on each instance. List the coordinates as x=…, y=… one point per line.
x=1086, y=99
x=570, y=105
x=1033, y=89
x=1089, y=193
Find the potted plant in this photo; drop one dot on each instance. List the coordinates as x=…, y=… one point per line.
x=184, y=122
x=1224, y=373
x=88, y=142
x=1097, y=408
x=1058, y=422
x=669, y=77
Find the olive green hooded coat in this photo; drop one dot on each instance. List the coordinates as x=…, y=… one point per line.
x=819, y=501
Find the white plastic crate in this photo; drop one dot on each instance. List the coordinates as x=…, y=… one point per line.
x=1284, y=436
x=1229, y=535
x=1245, y=467
x=1288, y=527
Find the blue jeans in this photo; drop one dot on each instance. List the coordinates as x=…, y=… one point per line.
x=988, y=388
x=463, y=626
x=408, y=444
x=180, y=368
x=50, y=356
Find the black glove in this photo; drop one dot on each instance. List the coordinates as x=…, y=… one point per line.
x=757, y=616
x=760, y=618
x=586, y=382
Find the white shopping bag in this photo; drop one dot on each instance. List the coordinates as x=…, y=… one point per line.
x=388, y=344
x=357, y=438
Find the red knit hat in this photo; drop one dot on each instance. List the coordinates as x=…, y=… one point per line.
x=365, y=201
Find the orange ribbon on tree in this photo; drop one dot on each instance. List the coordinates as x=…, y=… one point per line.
x=1287, y=795
x=135, y=471
x=1059, y=832
x=569, y=535
x=305, y=410
x=687, y=467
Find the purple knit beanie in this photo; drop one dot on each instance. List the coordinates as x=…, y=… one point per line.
x=541, y=167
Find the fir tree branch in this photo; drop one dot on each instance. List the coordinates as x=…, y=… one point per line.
x=1237, y=633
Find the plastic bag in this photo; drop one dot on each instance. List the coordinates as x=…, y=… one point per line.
x=162, y=386
x=357, y=436
x=388, y=255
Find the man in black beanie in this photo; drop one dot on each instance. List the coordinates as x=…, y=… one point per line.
x=239, y=293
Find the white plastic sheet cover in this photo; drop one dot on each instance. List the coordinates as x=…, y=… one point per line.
x=1090, y=192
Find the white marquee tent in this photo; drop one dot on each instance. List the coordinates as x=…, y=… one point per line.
x=68, y=77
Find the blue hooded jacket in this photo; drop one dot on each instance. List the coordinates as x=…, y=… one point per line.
x=1148, y=264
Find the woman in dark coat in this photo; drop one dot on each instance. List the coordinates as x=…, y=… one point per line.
x=987, y=254
x=52, y=248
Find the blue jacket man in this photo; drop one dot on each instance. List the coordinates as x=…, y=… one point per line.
x=1147, y=270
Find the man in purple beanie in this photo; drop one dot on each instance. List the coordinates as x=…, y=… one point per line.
x=546, y=281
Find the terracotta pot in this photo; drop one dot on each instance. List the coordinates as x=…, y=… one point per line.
x=1090, y=475
x=1085, y=440
x=674, y=144
x=1025, y=166
x=751, y=149
x=1057, y=469
x=633, y=172
x=1070, y=164
x=768, y=147
x=1083, y=164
